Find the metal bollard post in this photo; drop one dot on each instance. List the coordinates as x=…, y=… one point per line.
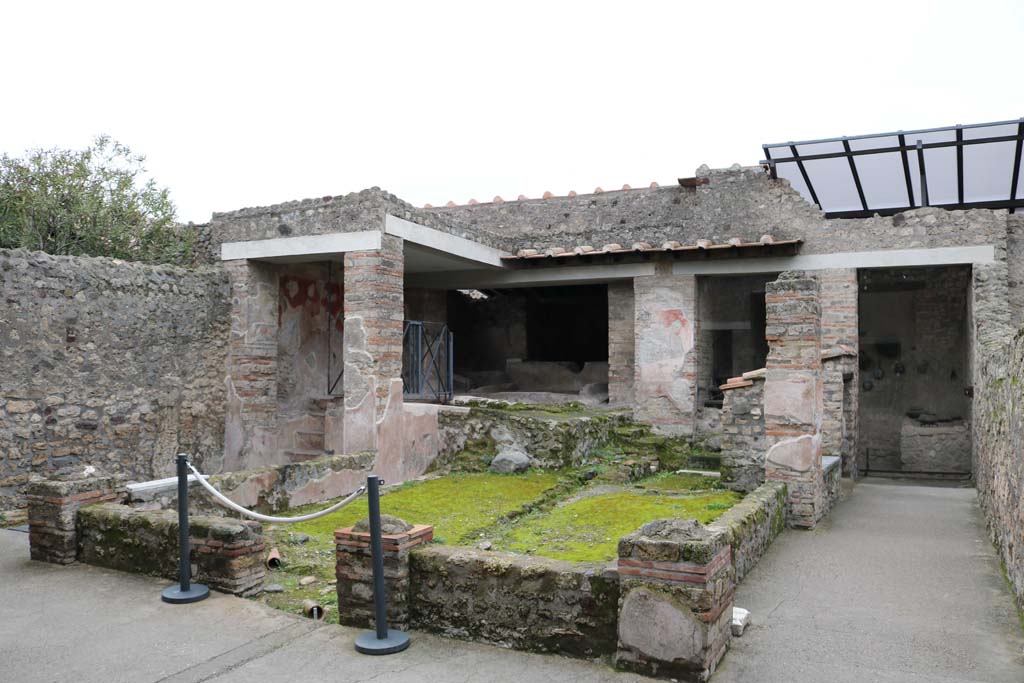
x=185, y=591
x=383, y=641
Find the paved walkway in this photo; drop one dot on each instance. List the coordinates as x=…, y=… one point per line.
x=899, y=584
x=86, y=624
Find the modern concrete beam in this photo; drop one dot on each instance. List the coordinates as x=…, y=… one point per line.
x=510, y=278
x=303, y=248
x=889, y=258
x=443, y=241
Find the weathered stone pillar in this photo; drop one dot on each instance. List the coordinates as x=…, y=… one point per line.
x=621, y=342
x=53, y=508
x=250, y=434
x=666, y=363
x=374, y=313
x=743, y=442
x=793, y=394
x=840, y=342
x=355, y=570
x=676, y=597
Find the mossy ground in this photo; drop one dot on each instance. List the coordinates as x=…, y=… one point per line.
x=589, y=529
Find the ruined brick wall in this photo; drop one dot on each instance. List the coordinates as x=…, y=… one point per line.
x=1015, y=261
x=106, y=363
x=621, y=342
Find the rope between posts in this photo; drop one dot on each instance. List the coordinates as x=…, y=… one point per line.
x=268, y=518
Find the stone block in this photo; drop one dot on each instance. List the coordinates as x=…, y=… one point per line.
x=53, y=506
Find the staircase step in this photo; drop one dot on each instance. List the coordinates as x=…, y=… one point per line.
x=300, y=454
x=309, y=440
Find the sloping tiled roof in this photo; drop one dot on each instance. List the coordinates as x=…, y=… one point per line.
x=735, y=244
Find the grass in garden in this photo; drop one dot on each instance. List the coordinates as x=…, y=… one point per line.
x=589, y=529
x=456, y=504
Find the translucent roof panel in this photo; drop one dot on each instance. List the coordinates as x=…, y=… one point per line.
x=964, y=167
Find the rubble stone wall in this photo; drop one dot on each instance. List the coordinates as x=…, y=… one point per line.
x=621, y=342
x=527, y=603
x=226, y=554
x=743, y=438
x=106, y=363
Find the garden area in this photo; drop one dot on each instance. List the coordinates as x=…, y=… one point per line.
x=574, y=514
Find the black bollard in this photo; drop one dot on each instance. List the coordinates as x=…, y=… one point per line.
x=185, y=591
x=383, y=641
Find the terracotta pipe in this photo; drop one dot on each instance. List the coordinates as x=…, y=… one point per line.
x=274, y=559
x=312, y=610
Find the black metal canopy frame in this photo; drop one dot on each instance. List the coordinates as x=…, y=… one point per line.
x=811, y=167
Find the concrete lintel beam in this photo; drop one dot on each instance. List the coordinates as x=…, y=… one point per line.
x=444, y=242
x=302, y=248
x=884, y=258
x=510, y=278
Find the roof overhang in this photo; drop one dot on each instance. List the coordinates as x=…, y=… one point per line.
x=974, y=166
x=640, y=252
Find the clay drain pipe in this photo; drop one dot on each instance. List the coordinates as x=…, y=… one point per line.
x=274, y=559
x=312, y=610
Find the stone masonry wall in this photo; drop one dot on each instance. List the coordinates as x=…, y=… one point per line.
x=621, y=342
x=527, y=603
x=227, y=554
x=742, y=433
x=107, y=363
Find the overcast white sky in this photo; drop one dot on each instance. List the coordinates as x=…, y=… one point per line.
x=244, y=104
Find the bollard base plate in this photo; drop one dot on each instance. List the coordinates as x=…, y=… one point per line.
x=369, y=644
x=176, y=596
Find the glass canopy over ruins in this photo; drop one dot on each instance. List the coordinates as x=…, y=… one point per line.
x=960, y=167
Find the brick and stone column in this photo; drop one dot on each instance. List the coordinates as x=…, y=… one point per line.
x=374, y=314
x=666, y=361
x=676, y=595
x=355, y=570
x=793, y=394
x=53, y=510
x=621, y=343
x=839, y=343
x=250, y=434
x=743, y=440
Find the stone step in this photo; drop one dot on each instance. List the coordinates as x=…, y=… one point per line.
x=302, y=454
x=310, y=440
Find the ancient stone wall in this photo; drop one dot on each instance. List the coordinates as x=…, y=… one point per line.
x=751, y=525
x=733, y=203
x=353, y=212
x=107, y=363
x=527, y=603
x=227, y=555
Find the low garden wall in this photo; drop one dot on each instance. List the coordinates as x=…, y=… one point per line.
x=664, y=608
x=752, y=524
x=557, y=438
x=227, y=555
x=522, y=602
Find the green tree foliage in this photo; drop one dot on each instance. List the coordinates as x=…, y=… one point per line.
x=95, y=201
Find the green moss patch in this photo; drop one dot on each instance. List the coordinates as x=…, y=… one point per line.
x=457, y=504
x=589, y=529
x=671, y=482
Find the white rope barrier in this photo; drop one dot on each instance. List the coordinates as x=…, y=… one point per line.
x=267, y=518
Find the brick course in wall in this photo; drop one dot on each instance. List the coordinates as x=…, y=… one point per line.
x=742, y=434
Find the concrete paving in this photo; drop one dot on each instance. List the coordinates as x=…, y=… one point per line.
x=84, y=624
x=899, y=584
